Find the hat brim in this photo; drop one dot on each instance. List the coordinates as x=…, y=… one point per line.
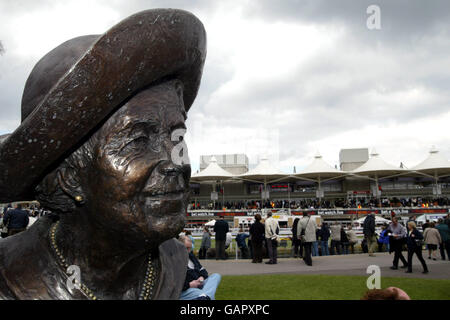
x=140, y=50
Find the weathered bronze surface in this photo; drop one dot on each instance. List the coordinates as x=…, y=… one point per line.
x=95, y=147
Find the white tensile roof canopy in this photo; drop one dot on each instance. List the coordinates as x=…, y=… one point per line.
x=264, y=171
x=377, y=167
x=434, y=164
x=320, y=169
x=212, y=172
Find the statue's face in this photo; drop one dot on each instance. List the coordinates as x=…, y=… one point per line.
x=134, y=187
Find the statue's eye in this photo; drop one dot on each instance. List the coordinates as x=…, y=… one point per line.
x=140, y=141
x=135, y=145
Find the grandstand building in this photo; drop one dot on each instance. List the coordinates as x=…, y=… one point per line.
x=363, y=184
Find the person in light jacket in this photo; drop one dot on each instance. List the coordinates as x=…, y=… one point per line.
x=271, y=226
x=335, y=229
x=352, y=239
x=309, y=227
x=397, y=237
x=432, y=239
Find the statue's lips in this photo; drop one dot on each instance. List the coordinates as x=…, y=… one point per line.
x=163, y=204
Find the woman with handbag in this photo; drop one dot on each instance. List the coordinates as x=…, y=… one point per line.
x=432, y=240
x=414, y=242
x=306, y=231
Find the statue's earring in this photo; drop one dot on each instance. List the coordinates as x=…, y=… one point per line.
x=79, y=199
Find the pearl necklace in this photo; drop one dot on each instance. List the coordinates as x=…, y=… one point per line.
x=150, y=275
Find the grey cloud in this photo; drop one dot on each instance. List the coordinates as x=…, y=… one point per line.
x=314, y=102
x=400, y=19
x=330, y=93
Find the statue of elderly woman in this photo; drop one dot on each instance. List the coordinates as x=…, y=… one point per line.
x=100, y=116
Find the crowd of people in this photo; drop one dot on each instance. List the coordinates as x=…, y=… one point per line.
x=308, y=240
x=311, y=240
x=341, y=203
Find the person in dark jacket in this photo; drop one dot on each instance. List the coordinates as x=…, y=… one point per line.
x=257, y=231
x=198, y=285
x=206, y=243
x=296, y=243
x=414, y=236
x=344, y=241
x=369, y=233
x=221, y=228
x=444, y=231
x=425, y=225
x=315, y=244
x=17, y=220
x=324, y=236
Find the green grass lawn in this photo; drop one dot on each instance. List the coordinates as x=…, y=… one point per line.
x=322, y=287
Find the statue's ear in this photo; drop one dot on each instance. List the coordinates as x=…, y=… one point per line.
x=68, y=182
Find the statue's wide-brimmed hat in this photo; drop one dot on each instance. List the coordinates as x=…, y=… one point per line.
x=80, y=83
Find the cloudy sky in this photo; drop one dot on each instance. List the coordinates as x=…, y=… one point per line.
x=285, y=79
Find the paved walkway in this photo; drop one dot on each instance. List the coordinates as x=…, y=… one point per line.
x=353, y=264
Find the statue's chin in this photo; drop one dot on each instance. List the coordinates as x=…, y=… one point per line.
x=161, y=227
x=169, y=226
x=149, y=223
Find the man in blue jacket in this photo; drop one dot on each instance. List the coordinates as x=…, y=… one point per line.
x=240, y=240
x=17, y=220
x=198, y=285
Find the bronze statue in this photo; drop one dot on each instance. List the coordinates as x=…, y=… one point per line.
x=95, y=147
